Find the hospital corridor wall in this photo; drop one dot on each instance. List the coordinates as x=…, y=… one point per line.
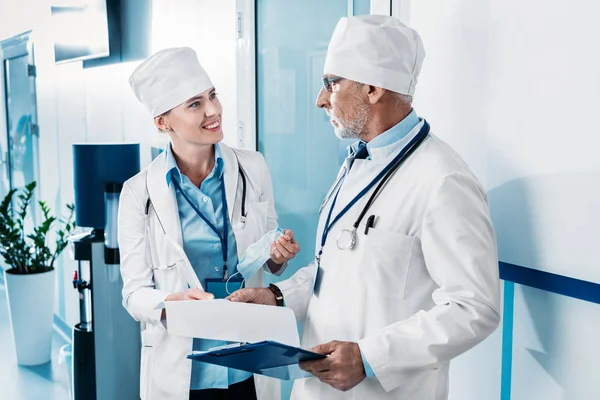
x=511, y=85
x=514, y=86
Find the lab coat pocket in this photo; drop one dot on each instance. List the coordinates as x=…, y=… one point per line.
x=167, y=266
x=148, y=342
x=166, y=276
x=385, y=263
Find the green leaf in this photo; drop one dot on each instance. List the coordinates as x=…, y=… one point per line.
x=28, y=252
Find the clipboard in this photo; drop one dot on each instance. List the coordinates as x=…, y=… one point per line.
x=264, y=358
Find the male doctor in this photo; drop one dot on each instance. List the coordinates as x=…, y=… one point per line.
x=398, y=292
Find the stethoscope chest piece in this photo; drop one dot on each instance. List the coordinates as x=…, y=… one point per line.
x=347, y=239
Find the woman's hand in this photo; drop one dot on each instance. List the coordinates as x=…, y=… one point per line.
x=285, y=248
x=190, y=294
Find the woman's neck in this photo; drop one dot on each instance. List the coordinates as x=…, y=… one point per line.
x=194, y=161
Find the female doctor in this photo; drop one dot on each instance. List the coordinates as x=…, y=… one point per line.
x=187, y=218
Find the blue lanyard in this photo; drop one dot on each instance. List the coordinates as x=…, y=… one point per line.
x=384, y=174
x=223, y=236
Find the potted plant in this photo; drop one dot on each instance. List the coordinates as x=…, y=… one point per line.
x=30, y=277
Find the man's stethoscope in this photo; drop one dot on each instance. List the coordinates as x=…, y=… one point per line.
x=347, y=238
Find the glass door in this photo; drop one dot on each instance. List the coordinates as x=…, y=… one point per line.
x=20, y=146
x=296, y=137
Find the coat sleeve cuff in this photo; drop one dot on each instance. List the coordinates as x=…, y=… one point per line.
x=143, y=305
x=279, y=272
x=297, y=291
x=368, y=370
x=375, y=354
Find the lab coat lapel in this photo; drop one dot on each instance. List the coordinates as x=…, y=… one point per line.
x=163, y=198
x=230, y=177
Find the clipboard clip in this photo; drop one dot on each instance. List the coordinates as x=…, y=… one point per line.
x=228, y=346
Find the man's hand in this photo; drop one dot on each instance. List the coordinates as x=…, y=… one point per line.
x=256, y=296
x=343, y=368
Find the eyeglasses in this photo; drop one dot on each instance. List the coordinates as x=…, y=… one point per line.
x=327, y=81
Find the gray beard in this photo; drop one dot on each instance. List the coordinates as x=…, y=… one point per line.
x=354, y=129
x=346, y=133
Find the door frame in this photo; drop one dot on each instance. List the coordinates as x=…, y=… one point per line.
x=401, y=10
x=380, y=7
x=246, y=66
x=18, y=46
x=246, y=74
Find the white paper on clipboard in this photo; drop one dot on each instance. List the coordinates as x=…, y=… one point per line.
x=230, y=321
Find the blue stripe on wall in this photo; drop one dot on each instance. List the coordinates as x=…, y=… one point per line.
x=559, y=284
x=507, y=339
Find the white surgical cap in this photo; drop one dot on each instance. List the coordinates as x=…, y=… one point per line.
x=169, y=78
x=376, y=50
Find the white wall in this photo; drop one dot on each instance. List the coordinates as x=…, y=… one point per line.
x=96, y=104
x=452, y=88
x=543, y=103
x=512, y=86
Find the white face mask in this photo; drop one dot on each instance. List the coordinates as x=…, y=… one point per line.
x=256, y=255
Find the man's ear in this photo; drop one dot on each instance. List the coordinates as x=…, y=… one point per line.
x=375, y=94
x=162, y=123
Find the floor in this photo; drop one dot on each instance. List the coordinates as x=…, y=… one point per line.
x=47, y=382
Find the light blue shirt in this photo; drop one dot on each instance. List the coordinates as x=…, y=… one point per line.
x=203, y=248
x=391, y=136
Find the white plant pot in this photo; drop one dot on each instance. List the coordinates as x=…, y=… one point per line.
x=31, y=312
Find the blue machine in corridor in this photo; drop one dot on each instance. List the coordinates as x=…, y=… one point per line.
x=106, y=341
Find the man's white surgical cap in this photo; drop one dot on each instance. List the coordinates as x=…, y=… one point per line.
x=169, y=78
x=376, y=50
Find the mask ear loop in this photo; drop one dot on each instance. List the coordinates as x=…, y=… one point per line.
x=244, y=280
x=227, y=283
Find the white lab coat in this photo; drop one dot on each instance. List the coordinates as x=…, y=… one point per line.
x=165, y=370
x=419, y=289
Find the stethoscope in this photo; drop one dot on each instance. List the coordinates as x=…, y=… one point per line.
x=222, y=235
x=347, y=238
